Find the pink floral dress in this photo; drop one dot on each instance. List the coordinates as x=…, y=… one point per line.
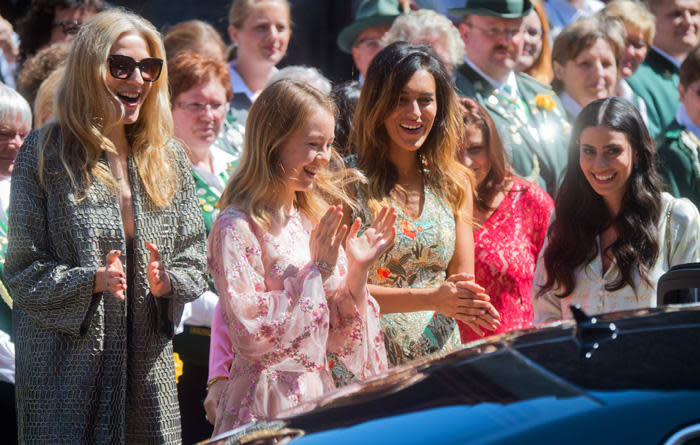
x=283, y=319
x=505, y=254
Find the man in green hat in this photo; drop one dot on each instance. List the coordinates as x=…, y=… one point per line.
x=361, y=38
x=678, y=148
x=529, y=116
x=656, y=79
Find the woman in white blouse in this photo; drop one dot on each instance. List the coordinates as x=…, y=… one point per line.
x=613, y=233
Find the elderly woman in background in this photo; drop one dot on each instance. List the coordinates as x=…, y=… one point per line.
x=15, y=124
x=536, y=57
x=106, y=246
x=195, y=36
x=640, y=27
x=426, y=26
x=200, y=92
x=586, y=59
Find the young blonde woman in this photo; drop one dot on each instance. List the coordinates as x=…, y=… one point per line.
x=106, y=246
x=405, y=132
x=288, y=293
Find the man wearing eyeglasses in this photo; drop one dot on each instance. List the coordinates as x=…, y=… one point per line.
x=529, y=116
x=361, y=38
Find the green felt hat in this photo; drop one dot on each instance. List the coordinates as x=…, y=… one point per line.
x=370, y=13
x=505, y=9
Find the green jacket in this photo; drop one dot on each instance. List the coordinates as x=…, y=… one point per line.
x=537, y=143
x=656, y=82
x=678, y=154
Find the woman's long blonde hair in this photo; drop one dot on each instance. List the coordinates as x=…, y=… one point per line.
x=86, y=109
x=281, y=109
x=388, y=73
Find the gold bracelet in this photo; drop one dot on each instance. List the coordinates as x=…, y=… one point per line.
x=325, y=268
x=214, y=380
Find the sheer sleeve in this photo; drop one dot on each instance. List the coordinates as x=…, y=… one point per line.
x=283, y=328
x=355, y=335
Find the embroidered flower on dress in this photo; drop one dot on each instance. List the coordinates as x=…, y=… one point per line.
x=383, y=273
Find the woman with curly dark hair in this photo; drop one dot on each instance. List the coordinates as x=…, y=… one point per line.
x=406, y=131
x=51, y=21
x=614, y=233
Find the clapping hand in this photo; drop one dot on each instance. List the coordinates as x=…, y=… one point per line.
x=111, y=276
x=325, y=240
x=473, y=306
x=158, y=278
x=364, y=250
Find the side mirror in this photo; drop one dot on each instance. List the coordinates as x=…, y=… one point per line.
x=680, y=285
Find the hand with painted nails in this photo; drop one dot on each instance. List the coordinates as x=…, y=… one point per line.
x=111, y=277
x=158, y=278
x=325, y=240
x=462, y=298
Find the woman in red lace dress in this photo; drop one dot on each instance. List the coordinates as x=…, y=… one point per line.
x=512, y=214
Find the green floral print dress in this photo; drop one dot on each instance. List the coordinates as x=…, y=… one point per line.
x=418, y=259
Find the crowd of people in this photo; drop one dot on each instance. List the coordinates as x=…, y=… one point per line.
x=193, y=239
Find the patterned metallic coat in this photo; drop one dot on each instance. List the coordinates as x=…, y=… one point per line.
x=91, y=368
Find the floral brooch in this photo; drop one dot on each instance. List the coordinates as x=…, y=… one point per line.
x=545, y=102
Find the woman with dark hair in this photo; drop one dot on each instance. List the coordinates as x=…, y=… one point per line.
x=405, y=133
x=512, y=215
x=614, y=233
x=345, y=95
x=52, y=21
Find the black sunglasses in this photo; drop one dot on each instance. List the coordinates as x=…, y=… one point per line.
x=121, y=67
x=70, y=27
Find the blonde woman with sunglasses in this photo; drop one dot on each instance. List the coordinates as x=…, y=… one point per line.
x=106, y=246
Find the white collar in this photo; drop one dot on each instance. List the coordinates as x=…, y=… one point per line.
x=239, y=85
x=497, y=85
x=624, y=90
x=684, y=120
x=667, y=56
x=570, y=105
